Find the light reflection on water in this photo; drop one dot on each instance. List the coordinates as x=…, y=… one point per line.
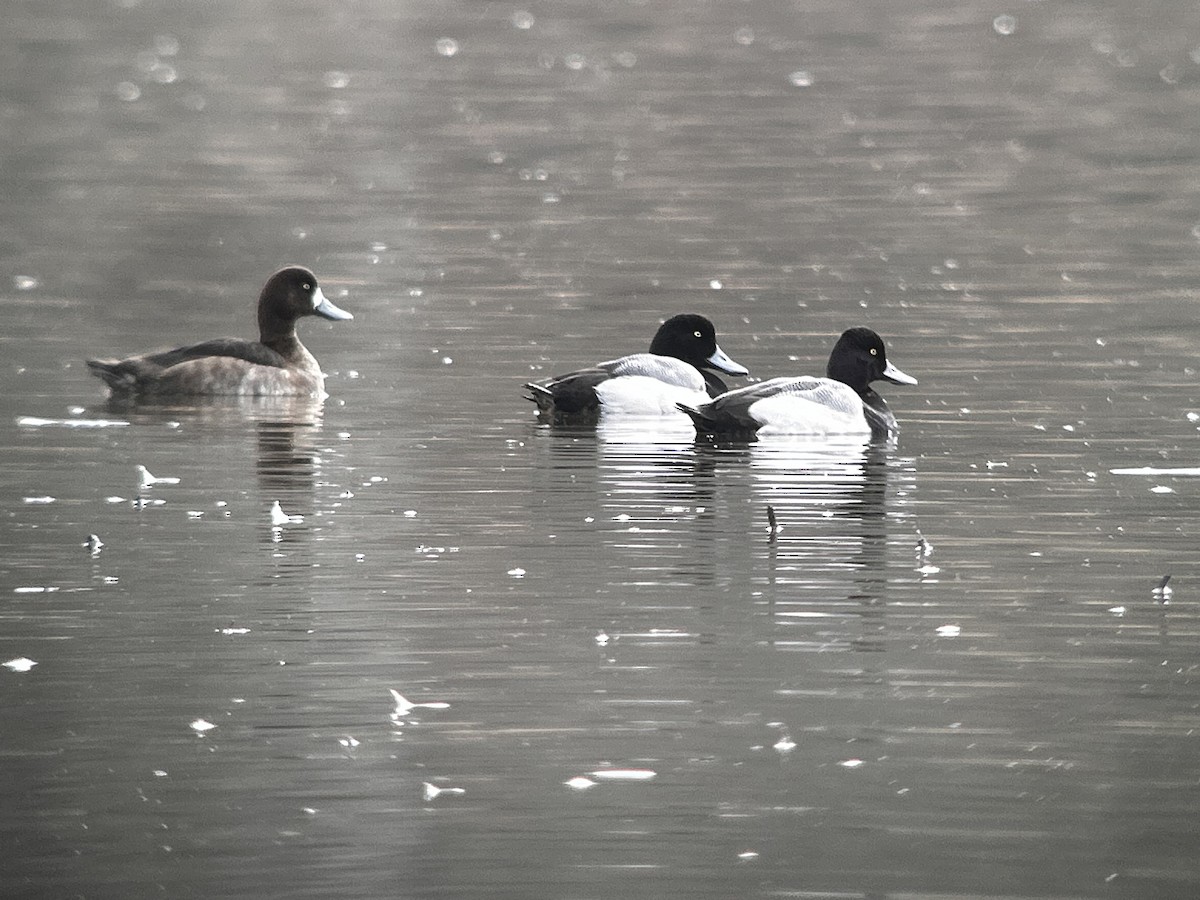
x=825, y=713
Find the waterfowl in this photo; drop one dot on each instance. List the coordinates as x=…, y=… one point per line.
x=277, y=364
x=681, y=367
x=842, y=402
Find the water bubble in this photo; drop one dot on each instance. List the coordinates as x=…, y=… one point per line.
x=28, y=282
x=166, y=44
x=1170, y=74
x=716, y=284
x=575, y=61
x=744, y=35
x=626, y=59
x=1103, y=43
x=335, y=79
x=164, y=74
x=523, y=19
x=447, y=46
x=496, y=158
x=801, y=78
x=1004, y=24
x=128, y=91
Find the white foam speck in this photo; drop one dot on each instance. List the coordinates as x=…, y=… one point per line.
x=1153, y=470
x=623, y=774
x=36, y=422
x=949, y=630
x=20, y=664
x=147, y=480
x=279, y=518
x=431, y=791
x=201, y=725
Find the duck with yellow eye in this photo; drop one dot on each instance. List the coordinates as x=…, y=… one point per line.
x=843, y=402
x=680, y=368
x=276, y=365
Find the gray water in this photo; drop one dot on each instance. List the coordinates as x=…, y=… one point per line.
x=500, y=193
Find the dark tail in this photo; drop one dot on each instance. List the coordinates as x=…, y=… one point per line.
x=699, y=419
x=113, y=373
x=540, y=395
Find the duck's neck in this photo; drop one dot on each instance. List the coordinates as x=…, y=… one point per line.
x=879, y=414
x=289, y=347
x=712, y=383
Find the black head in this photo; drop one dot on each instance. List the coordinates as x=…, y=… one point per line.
x=288, y=295
x=693, y=339
x=859, y=357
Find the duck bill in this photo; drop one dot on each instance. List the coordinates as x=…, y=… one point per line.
x=722, y=363
x=327, y=310
x=895, y=376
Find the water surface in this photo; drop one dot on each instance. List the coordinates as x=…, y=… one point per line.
x=500, y=194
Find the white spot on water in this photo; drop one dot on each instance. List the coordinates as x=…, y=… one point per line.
x=744, y=35
x=801, y=78
x=147, y=481
x=949, y=631
x=201, y=725
x=25, y=282
x=431, y=791
x=404, y=706
x=624, y=774
x=336, y=80
x=850, y=763
x=447, y=47
x=279, y=518
x=1004, y=24
x=522, y=19
x=33, y=421
x=20, y=664
x=580, y=783
x=518, y=572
